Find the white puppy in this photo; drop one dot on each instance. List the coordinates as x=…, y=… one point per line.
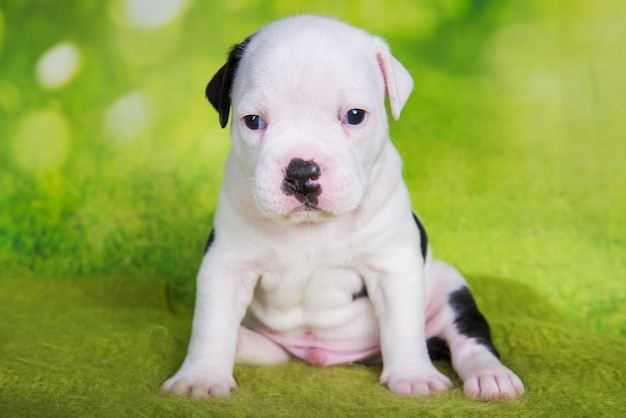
x=315, y=252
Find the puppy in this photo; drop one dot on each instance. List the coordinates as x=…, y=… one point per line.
x=315, y=252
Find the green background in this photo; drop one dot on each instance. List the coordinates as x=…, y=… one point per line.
x=513, y=144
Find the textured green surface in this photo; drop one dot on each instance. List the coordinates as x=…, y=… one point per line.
x=101, y=347
x=514, y=154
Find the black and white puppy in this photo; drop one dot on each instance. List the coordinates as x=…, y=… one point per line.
x=316, y=252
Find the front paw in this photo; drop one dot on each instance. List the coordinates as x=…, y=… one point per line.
x=421, y=383
x=494, y=383
x=207, y=385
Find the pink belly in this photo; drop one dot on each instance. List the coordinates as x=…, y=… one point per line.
x=325, y=353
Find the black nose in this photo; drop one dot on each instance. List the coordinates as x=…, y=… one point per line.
x=301, y=181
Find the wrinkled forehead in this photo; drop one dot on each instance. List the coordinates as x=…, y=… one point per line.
x=287, y=60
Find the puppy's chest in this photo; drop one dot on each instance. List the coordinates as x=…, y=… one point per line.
x=315, y=279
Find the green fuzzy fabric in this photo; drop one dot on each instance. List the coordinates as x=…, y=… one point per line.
x=111, y=162
x=101, y=347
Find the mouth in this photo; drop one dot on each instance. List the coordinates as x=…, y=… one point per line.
x=307, y=208
x=306, y=213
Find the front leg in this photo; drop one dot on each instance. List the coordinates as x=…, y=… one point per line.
x=223, y=294
x=397, y=295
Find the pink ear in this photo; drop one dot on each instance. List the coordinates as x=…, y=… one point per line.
x=398, y=81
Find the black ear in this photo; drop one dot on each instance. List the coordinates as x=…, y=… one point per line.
x=219, y=88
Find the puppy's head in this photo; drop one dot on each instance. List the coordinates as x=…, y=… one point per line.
x=309, y=119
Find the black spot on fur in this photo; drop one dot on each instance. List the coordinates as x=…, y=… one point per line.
x=220, y=87
x=468, y=319
x=438, y=349
x=360, y=294
x=209, y=242
x=423, y=236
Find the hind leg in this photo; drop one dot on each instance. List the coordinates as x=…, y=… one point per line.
x=256, y=349
x=455, y=326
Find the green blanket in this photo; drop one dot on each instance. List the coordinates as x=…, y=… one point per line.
x=111, y=162
x=102, y=347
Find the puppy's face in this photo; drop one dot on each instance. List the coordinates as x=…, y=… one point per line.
x=309, y=119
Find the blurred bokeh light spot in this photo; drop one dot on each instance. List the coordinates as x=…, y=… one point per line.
x=58, y=65
x=152, y=14
x=41, y=141
x=127, y=117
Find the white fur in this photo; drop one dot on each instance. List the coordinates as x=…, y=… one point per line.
x=294, y=269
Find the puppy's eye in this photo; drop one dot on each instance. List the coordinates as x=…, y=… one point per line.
x=254, y=122
x=354, y=117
